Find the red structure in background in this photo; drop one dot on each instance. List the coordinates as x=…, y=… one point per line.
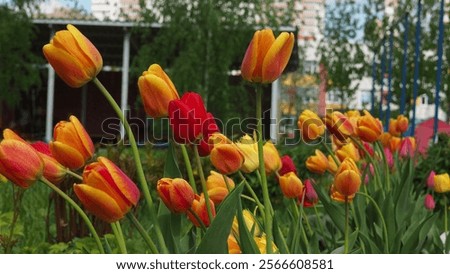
x=424, y=133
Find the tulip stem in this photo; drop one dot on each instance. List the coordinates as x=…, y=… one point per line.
x=73, y=174
x=187, y=162
x=346, y=226
x=117, y=230
x=265, y=190
x=383, y=222
x=143, y=233
x=79, y=210
x=137, y=159
x=203, y=181
x=386, y=166
x=252, y=192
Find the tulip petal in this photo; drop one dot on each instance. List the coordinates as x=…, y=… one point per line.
x=98, y=203
x=83, y=136
x=156, y=69
x=153, y=92
x=66, y=155
x=277, y=58
x=347, y=182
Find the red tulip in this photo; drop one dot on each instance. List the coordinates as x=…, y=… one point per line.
x=176, y=194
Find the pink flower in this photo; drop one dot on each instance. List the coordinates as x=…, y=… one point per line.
x=430, y=180
x=429, y=202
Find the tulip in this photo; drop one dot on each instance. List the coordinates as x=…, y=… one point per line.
x=348, y=178
x=369, y=128
x=176, y=194
x=394, y=143
x=156, y=90
x=429, y=202
x=290, y=185
x=249, y=149
x=430, y=180
x=267, y=57
x=310, y=125
x=250, y=223
x=272, y=160
x=233, y=246
x=209, y=128
x=71, y=145
x=74, y=58
x=338, y=197
x=226, y=158
x=317, y=163
x=393, y=129
x=261, y=243
x=348, y=150
x=19, y=161
x=369, y=148
x=407, y=147
x=217, y=188
x=389, y=157
x=187, y=117
x=106, y=191
x=310, y=197
x=402, y=123
x=332, y=165
x=199, y=207
x=339, y=125
x=385, y=137
x=287, y=165
x=53, y=170
x=442, y=183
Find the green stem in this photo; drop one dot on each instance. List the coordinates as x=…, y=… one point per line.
x=143, y=233
x=262, y=170
x=346, y=226
x=333, y=155
x=305, y=238
x=137, y=159
x=446, y=232
x=187, y=162
x=386, y=166
x=73, y=174
x=322, y=230
x=79, y=210
x=252, y=192
x=117, y=230
x=200, y=222
x=203, y=181
x=377, y=208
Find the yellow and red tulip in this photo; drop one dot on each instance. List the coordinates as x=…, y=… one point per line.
x=217, y=188
x=402, y=123
x=176, y=194
x=156, y=90
x=339, y=125
x=19, y=161
x=75, y=59
x=267, y=57
x=226, y=158
x=249, y=149
x=317, y=163
x=290, y=185
x=338, y=197
x=348, y=178
x=369, y=128
x=53, y=170
x=310, y=125
x=272, y=160
x=199, y=207
x=332, y=165
x=71, y=145
x=106, y=191
x=348, y=150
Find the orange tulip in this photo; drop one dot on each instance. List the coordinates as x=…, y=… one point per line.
x=217, y=188
x=369, y=128
x=199, y=207
x=176, y=194
x=249, y=149
x=156, y=90
x=348, y=178
x=402, y=123
x=310, y=125
x=272, y=160
x=75, y=59
x=348, y=150
x=71, y=145
x=394, y=143
x=290, y=185
x=339, y=125
x=332, y=165
x=317, y=163
x=385, y=138
x=338, y=197
x=233, y=246
x=226, y=158
x=441, y=183
x=106, y=191
x=19, y=161
x=393, y=129
x=267, y=57
x=53, y=170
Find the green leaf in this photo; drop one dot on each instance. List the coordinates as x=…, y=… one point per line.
x=165, y=218
x=279, y=237
x=246, y=241
x=215, y=239
x=171, y=169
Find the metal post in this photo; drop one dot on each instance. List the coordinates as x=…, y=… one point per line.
x=389, y=95
x=438, y=70
x=125, y=78
x=383, y=70
x=50, y=98
x=372, y=93
x=404, y=65
x=274, y=108
x=416, y=67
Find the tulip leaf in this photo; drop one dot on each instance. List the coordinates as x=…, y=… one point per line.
x=165, y=220
x=246, y=241
x=215, y=239
x=171, y=169
x=279, y=238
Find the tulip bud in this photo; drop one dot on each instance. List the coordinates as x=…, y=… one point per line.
x=310, y=125
x=430, y=180
x=71, y=145
x=407, y=147
x=267, y=57
x=338, y=197
x=226, y=158
x=217, y=188
x=287, y=165
x=209, y=128
x=369, y=128
x=156, y=90
x=348, y=178
x=310, y=197
x=199, y=207
x=53, y=170
x=290, y=185
x=106, y=191
x=19, y=161
x=339, y=125
x=402, y=123
x=429, y=202
x=389, y=157
x=272, y=160
x=249, y=149
x=442, y=183
x=75, y=59
x=393, y=129
x=348, y=150
x=176, y=194
x=317, y=163
x=394, y=143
